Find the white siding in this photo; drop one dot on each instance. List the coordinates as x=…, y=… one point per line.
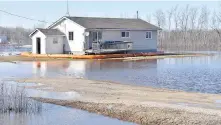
x=137, y=37
x=43, y=42
x=77, y=45
x=52, y=48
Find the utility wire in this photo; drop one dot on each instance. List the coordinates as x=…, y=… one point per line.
x=23, y=17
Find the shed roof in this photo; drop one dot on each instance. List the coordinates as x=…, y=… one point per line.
x=113, y=23
x=48, y=32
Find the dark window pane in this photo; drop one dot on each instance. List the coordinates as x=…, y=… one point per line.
x=71, y=35
x=127, y=34
x=148, y=35
x=122, y=34
x=99, y=35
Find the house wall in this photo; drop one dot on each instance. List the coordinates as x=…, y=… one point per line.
x=43, y=42
x=54, y=48
x=140, y=43
x=77, y=45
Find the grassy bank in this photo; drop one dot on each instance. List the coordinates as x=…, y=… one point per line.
x=23, y=58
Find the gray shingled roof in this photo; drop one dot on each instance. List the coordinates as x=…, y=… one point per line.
x=49, y=32
x=113, y=23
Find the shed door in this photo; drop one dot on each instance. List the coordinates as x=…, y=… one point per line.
x=38, y=45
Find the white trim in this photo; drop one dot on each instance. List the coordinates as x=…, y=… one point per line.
x=89, y=29
x=150, y=35
x=36, y=30
x=54, y=35
x=52, y=25
x=56, y=22
x=32, y=33
x=125, y=34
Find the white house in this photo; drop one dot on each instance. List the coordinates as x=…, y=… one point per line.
x=80, y=35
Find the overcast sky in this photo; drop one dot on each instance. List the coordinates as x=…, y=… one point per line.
x=52, y=10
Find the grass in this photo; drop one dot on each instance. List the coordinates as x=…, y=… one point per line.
x=14, y=99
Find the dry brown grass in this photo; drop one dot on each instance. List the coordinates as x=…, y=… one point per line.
x=25, y=58
x=14, y=99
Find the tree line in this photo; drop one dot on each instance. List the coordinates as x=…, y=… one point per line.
x=183, y=29
x=17, y=35
x=188, y=29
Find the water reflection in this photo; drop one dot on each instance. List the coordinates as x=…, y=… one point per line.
x=88, y=68
x=58, y=115
x=198, y=74
x=53, y=95
x=17, y=109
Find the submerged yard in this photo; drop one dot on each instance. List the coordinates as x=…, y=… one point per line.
x=143, y=91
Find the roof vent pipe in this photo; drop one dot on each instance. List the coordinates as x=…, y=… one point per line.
x=67, y=7
x=137, y=15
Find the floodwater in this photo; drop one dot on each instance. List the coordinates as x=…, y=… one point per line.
x=7, y=50
x=58, y=115
x=37, y=113
x=195, y=74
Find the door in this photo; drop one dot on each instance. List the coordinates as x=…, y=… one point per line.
x=38, y=45
x=96, y=39
x=96, y=36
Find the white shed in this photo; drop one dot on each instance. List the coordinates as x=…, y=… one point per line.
x=47, y=41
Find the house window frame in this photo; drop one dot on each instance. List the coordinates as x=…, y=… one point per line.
x=125, y=34
x=151, y=34
x=55, y=40
x=72, y=36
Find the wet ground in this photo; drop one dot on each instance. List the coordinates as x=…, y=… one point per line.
x=58, y=115
x=38, y=113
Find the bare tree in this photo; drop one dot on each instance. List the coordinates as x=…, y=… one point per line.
x=160, y=18
x=148, y=18
x=169, y=16
x=175, y=16
x=161, y=21
x=193, y=16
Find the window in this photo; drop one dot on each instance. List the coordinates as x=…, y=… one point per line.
x=55, y=41
x=71, y=35
x=125, y=34
x=149, y=35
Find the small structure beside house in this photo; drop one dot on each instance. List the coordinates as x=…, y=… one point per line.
x=95, y=35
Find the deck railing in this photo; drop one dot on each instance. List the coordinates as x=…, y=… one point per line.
x=99, y=47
